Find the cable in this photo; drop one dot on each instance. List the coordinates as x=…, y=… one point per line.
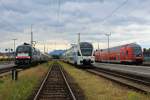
x=115, y=10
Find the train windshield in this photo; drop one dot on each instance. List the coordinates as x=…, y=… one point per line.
x=86, y=49
x=25, y=49
x=137, y=50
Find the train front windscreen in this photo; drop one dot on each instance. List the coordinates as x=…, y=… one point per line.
x=86, y=49
x=137, y=51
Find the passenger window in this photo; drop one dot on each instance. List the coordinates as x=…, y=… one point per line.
x=127, y=52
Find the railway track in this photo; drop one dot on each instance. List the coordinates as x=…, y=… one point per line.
x=132, y=81
x=55, y=86
x=7, y=69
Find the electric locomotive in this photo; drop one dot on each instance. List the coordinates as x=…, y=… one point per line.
x=80, y=54
x=27, y=55
x=129, y=53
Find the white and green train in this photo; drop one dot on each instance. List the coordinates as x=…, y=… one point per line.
x=80, y=54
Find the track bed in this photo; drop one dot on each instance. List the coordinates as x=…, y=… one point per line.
x=55, y=86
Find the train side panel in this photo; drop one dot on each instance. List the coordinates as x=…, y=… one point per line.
x=130, y=53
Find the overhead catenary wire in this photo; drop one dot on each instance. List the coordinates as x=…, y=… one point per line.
x=114, y=11
x=110, y=15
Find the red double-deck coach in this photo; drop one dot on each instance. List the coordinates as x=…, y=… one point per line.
x=129, y=53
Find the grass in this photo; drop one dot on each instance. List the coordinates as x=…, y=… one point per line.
x=98, y=88
x=23, y=87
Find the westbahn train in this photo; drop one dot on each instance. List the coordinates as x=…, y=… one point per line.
x=129, y=53
x=80, y=54
x=27, y=55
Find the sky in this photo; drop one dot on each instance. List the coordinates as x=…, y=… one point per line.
x=56, y=23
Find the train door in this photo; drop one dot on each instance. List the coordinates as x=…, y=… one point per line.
x=97, y=55
x=75, y=55
x=100, y=55
x=122, y=54
x=74, y=58
x=128, y=54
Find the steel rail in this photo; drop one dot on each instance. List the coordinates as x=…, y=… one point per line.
x=136, y=83
x=46, y=77
x=126, y=75
x=7, y=69
x=69, y=88
x=64, y=79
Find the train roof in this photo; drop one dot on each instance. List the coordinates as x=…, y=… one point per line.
x=85, y=43
x=133, y=45
x=25, y=44
x=29, y=45
x=82, y=43
x=128, y=45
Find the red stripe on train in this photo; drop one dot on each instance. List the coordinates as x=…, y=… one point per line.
x=23, y=57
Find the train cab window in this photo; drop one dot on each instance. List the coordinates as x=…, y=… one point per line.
x=23, y=49
x=79, y=53
x=137, y=50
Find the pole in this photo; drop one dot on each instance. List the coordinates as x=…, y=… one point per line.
x=47, y=50
x=14, y=74
x=31, y=36
x=8, y=53
x=78, y=38
x=98, y=45
x=44, y=47
x=14, y=44
x=108, y=45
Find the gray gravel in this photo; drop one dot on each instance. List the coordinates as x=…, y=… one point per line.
x=139, y=70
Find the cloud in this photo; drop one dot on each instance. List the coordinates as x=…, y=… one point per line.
x=61, y=23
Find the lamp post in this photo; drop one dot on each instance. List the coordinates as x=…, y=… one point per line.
x=78, y=38
x=14, y=45
x=31, y=36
